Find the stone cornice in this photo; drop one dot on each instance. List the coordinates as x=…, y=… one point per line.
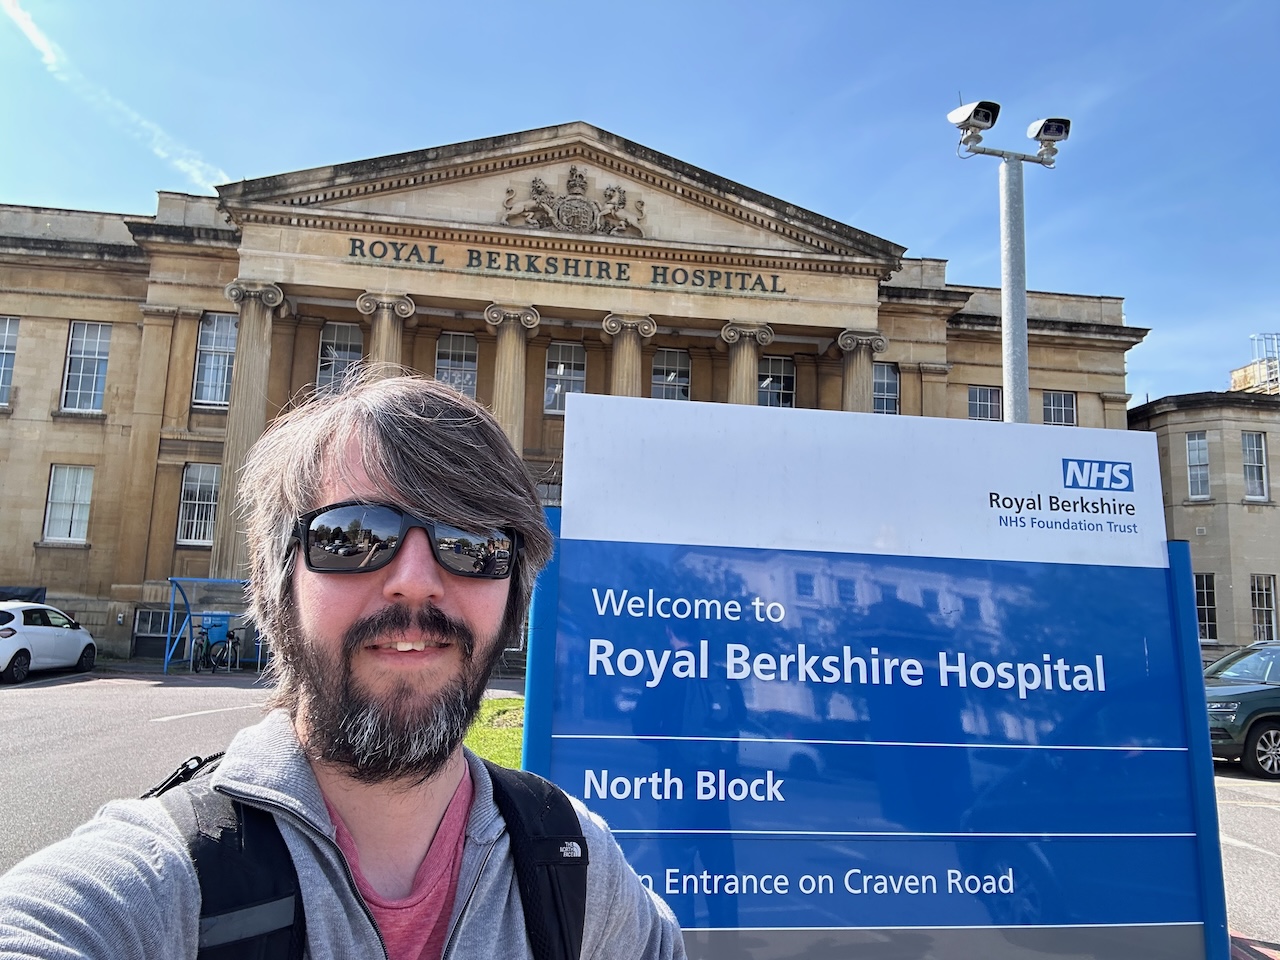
x=1208, y=400
x=1079, y=330
x=72, y=249
x=574, y=142
x=149, y=230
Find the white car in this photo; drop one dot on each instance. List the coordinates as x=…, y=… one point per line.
x=36, y=636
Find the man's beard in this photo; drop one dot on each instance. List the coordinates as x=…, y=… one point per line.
x=404, y=734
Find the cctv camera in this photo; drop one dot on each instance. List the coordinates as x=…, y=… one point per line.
x=1050, y=131
x=980, y=115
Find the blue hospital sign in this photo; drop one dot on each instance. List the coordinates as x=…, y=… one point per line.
x=843, y=683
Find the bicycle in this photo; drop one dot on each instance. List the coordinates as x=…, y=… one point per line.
x=200, y=651
x=225, y=653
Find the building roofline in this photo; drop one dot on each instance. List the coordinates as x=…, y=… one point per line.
x=1210, y=398
x=379, y=167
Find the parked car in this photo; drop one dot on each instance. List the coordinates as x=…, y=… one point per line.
x=36, y=636
x=1243, y=690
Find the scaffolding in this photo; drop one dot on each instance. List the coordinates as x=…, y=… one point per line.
x=1263, y=374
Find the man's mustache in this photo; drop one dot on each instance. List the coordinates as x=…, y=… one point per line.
x=397, y=618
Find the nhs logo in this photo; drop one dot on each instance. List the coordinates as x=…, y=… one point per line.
x=1097, y=475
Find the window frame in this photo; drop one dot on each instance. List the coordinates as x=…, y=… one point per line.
x=1064, y=414
x=1256, y=486
x=332, y=370
x=8, y=356
x=1198, y=481
x=1262, y=600
x=190, y=509
x=985, y=397
x=1206, y=607
x=886, y=391
x=97, y=376
x=462, y=374
x=572, y=373
x=783, y=369
x=665, y=382
x=215, y=360
x=78, y=515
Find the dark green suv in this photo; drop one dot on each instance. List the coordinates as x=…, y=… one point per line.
x=1243, y=689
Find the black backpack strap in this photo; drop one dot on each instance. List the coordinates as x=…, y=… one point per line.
x=550, y=857
x=250, y=903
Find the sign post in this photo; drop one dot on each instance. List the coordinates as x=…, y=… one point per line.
x=838, y=680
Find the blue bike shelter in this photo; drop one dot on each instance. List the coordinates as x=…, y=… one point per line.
x=208, y=603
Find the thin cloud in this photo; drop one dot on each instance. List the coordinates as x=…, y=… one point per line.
x=183, y=159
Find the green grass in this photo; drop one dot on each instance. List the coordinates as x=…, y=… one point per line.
x=498, y=731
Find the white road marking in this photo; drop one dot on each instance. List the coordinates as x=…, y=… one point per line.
x=201, y=713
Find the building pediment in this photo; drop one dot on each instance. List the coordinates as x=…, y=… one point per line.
x=555, y=184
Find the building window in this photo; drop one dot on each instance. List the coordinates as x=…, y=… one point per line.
x=215, y=356
x=884, y=390
x=549, y=492
x=846, y=591
x=777, y=382
x=1255, y=465
x=456, y=362
x=1206, y=606
x=1060, y=407
x=1262, y=593
x=566, y=374
x=984, y=403
x=670, y=375
x=805, y=585
x=86, y=376
x=1197, y=465
x=151, y=623
x=66, y=515
x=8, y=351
x=198, y=508
x=341, y=346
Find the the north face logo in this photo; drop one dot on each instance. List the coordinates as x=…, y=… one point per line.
x=570, y=850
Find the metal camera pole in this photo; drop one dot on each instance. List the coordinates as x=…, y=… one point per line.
x=972, y=119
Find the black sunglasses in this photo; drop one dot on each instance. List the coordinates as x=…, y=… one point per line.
x=357, y=537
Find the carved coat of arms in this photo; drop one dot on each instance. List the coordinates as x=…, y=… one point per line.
x=574, y=212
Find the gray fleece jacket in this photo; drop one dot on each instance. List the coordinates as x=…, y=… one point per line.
x=122, y=886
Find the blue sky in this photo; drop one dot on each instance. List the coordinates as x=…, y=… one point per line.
x=1166, y=194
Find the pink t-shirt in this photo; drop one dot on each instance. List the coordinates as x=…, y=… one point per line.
x=415, y=928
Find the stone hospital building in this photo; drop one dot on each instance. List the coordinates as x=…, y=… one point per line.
x=141, y=355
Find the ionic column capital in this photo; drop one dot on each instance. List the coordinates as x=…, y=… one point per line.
x=850, y=340
x=239, y=291
x=369, y=303
x=733, y=331
x=615, y=323
x=496, y=314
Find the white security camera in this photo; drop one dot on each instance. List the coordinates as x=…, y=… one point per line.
x=976, y=116
x=1051, y=130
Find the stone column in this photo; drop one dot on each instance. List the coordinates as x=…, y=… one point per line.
x=512, y=326
x=627, y=334
x=386, y=342
x=858, y=384
x=1114, y=410
x=246, y=417
x=909, y=393
x=745, y=340
x=933, y=389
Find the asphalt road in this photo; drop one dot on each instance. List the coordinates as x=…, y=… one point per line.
x=72, y=742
